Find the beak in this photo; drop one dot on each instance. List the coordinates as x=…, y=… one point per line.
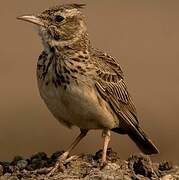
x=32, y=19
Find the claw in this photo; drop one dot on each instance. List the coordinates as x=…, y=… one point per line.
x=71, y=158
x=59, y=164
x=62, y=160
x=58, y=167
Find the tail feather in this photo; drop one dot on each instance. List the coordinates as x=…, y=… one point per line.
x=141, y=140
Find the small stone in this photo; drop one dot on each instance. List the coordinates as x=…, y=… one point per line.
x=111, y=155
x=141, y=165
x=10, y=178
x=7, y=174
x=37, y=164
x=11, y=169
x=1, y=170
x=5, y=163
x=14, y=178
x=88, y=158
x=40, y=156
x=7, y=167
x=55, y=155
x=98, y=155
x=168, y=177
x=22, y=164
x=16, y=159
x=165, y=166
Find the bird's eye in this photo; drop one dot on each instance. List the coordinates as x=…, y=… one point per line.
x=59, y=18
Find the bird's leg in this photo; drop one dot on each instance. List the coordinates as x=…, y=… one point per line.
x=61, y=160
x=106, y=135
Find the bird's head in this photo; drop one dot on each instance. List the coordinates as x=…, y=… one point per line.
x=60, y=25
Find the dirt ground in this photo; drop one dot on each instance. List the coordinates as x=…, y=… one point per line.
x=87, y=166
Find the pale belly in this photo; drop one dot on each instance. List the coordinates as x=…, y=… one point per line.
x=78, y=106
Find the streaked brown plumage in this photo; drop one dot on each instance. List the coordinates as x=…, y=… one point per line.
x=81, y=85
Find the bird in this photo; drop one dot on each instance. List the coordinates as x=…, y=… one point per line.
x=81, y=85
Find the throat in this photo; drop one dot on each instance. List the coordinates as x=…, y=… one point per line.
x=66, y=61
x=77, y=43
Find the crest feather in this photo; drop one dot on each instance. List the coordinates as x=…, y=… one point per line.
x=78, y=6
x=63, y=7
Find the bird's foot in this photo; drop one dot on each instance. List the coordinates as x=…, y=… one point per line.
x=59, y=164
x=62, y=160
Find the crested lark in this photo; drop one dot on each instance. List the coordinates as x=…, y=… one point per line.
x=81, y=85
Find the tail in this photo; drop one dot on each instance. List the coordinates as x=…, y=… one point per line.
x=143, y=142
x=140, y=139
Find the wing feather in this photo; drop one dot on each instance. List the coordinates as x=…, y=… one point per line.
x=110, y=84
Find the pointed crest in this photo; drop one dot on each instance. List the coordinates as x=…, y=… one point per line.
x=78, y=6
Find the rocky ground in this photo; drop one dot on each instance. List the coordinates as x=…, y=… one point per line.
x=87, y=166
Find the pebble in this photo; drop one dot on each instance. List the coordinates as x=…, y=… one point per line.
x=56, y=155
x=1, y=170
x=40, y=156
x=16, y=159
x=22, y=164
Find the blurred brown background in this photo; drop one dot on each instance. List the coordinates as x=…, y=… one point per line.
x=143, y=35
